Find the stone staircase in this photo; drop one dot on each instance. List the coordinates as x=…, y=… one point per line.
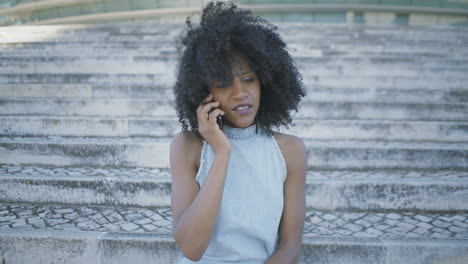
x=87, y=115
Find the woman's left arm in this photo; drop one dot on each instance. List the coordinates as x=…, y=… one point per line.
x=292, y=221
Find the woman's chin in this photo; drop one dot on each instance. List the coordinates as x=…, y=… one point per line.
x=241, y=124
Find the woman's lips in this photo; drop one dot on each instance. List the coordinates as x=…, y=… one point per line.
x=243, y=109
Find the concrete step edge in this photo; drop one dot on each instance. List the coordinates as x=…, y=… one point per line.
x=357, y=144
x=289, y=28
x=138, y=100
x=322, y=129
x=106, y=248
x=164, y=174
x=288, y=33
x=302, y=49
x=368, y=190
x=307, y=109
x=76, y=247
x=165, y=69
x=314, y=93
x=419, y=62
x=150, y=78
x=129, y=152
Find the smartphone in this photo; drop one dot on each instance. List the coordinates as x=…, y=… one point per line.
x=219, y=119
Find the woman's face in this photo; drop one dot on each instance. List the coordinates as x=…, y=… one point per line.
x=241, y=99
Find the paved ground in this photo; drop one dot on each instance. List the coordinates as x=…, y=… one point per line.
x=85, y=218
x=334, y=224
x=318, y=223
x=25, y=170
x=157, y=173
x=406, y=224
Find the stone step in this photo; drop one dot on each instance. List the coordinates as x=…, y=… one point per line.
x=89, y=126
x=314, y=93
x=402, y=95
x=328, y=129
x=332, y=49
x=91, y=107
x=116, y=247
x=71, y=47
x=107, y=186
x=377, y=190
x=371, y=82
x=355, y=31
x=341, y=81
x=350, y=190
x=364, y=33
x=347, y=66
x=107, y=67
x=362, y=92
x=362, y=38
x=82, y=151
x=165, y=47
x=322, y=129
x=115, y=91
x=325, y=28
x=65, y=33
x=143, y=235
x=169, y=68
x=39, y=58
x=154, y=152
x=86, y=78
x=397, y=38
x=287, y=30
x=300, y=41
x=307, y=109
x=379, y=111
x=414, y=62
x=76, y=247
x=326, y=47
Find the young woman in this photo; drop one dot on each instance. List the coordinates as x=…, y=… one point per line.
x=238, y=187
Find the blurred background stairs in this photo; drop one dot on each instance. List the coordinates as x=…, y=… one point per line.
x=87, y=115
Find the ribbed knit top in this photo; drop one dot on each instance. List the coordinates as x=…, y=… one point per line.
x=247, y=226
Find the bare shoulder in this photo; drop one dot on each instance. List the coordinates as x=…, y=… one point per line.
x=294, y=153
x=187, y=138
x=290, y=144
x=186, y=146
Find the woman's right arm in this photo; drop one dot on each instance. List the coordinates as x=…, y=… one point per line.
x=195, y=210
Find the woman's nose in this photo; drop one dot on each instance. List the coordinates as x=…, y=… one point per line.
x=238, y=90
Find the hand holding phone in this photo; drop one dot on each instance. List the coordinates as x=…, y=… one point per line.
x=219, y=120
x=209, y=115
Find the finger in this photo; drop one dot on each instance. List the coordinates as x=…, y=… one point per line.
x=202, y=111
x=201, y=107
x=206, y=108
x=208, y=99
x=214, y=114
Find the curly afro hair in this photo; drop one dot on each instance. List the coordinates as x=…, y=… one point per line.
x=205, y=52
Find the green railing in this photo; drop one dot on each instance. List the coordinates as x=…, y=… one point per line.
x=404, y=12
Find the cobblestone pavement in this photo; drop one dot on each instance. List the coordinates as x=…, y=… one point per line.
x=86, y=218
x=159, y=220
x=17, y=170
x=408, y=224
x=385, y=175
x=381, y=175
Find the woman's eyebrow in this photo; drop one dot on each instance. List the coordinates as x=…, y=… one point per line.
x=243, y=73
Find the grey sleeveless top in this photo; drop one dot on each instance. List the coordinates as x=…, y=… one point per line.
x=247, y=227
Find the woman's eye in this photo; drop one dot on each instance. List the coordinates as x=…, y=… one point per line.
x=248, y=80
